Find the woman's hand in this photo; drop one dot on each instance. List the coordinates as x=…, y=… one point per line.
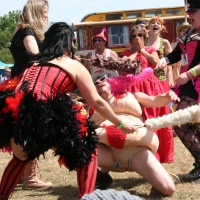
x=140, y=43
x=172, y=96
x=130, y=127
x=182, y=79
x=162, y=63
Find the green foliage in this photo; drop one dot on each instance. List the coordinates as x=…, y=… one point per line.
x=8, y=23
x=5, y=56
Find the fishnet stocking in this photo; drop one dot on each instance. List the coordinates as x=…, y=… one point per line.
x=189, y=134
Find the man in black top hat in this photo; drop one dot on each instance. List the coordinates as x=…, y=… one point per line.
x=188, y=51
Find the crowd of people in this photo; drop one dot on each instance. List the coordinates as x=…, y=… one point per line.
x=38, y=113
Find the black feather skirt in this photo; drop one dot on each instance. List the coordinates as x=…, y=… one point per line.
x=39, y=125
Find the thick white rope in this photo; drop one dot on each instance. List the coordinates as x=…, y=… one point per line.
x=183, y=116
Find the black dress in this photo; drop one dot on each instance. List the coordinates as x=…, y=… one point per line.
x=19, y=52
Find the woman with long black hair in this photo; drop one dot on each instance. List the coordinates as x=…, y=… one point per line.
x=39, y=115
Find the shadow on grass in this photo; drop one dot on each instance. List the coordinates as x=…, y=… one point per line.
x=62, y=192
x=70, y=192
x=128, y=183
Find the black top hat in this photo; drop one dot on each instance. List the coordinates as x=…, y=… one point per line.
x=193, y=5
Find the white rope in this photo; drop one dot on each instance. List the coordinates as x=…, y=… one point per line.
x=182, y=116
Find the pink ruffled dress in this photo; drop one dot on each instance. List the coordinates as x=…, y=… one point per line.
x=151, y=85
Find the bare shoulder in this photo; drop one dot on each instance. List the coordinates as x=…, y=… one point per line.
x=166, y=42
x=75, y=64
x=73, y=67
x=167, y=45
x=113, y=54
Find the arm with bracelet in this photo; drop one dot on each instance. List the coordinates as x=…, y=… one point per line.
x=188, y=75
x=120, y=125
x=192, y=73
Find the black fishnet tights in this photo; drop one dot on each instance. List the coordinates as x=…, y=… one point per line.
x=189, y=134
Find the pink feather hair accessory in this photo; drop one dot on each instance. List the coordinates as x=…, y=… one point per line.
x=118, y=84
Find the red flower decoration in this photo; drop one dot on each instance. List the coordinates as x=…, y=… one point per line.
x=10, y=84
x=13, y=103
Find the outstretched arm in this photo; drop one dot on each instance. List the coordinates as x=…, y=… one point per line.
x=156, y=101
x=189, y=75
x=86, y=86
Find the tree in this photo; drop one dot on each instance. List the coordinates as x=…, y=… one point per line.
x=7, y=26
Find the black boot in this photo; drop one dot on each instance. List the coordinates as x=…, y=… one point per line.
x=103, y=180
x=194, y=174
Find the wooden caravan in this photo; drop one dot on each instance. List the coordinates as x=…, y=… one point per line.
x=119, y=23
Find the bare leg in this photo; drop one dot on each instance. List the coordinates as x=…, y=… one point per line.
x=145, y=163
x=18, y=150
x=106, y=161
x=105, y=157
x=142, y=161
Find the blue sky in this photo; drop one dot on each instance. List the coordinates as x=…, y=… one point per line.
x=72, y=11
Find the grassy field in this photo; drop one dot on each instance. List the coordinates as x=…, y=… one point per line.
x=65, y=186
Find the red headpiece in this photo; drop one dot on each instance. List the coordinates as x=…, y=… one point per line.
x=101, y=35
